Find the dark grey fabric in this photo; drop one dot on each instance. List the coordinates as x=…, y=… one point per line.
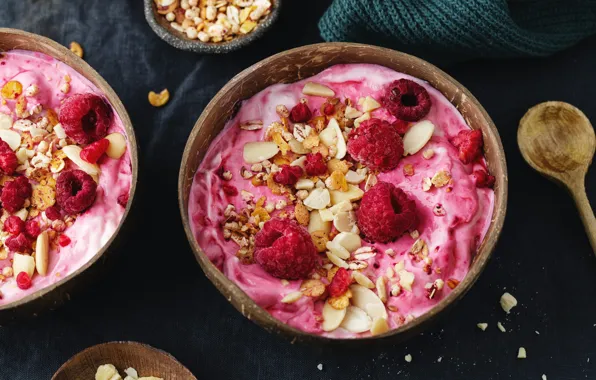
x=156, y=293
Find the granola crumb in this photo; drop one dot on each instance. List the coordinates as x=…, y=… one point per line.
x=482, y=326
x=501, y=327
x=521, y=353
x=408, y=358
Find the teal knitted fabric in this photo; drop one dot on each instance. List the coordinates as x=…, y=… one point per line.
x=462, y=29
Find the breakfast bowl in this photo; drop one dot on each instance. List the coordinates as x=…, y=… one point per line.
x=77, y=181
x=192, y=28
x=307, y=79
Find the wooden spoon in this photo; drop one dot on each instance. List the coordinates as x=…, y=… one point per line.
x=558, y=141
x=147, y=360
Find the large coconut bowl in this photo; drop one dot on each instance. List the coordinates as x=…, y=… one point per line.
x=55, y=294
x=303, y=62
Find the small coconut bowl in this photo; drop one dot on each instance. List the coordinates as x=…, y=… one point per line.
x=54, y=295
x=162, y=28
x=148, y=361
x=297, y=64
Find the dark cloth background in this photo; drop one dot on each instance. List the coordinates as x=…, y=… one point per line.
x=156, y=293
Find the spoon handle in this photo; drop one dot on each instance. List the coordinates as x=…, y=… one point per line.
x=586, y=213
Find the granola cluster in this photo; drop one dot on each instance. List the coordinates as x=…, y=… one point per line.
x=213, y=20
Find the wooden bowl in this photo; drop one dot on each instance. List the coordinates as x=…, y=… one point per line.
x=148, y=361
x=162, y=28
x=303, y=62
x=52, y=296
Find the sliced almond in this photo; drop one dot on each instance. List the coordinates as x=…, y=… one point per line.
x=341, y=206
x=292, y=297
x=365, y=116
x=381, y=286
x=379, y=326
x=258, y=151
x=42, y=248
x=12, y=138
x=341, y=142
x=5, y=121
x=345, y=221
x=318, y=199
x=332, y=317
x=23, y=263
x=371, y=181
x=73, y=152
x=297, y=147
x=406, y=279
x=353, y=194
x=337, y=261
x=117, y=145
x=328, y=136
x=354, y=178
x=300, y=161
x=356, y=320
x=107, y=372
x=370, y=104
x=363, y=280
x=417, y=136
x=352, y=113
x=350, y=241
x=338, y=250
x=317, y=89
x=304, y=184
x=317, y=224
x=368, y=301
x=326, y=215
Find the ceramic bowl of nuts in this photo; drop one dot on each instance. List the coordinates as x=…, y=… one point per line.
x=351, y=197
x=68, y=166
x=211, y=26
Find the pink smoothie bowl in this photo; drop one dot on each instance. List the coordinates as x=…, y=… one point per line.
x=67, y=278
x=303, y=62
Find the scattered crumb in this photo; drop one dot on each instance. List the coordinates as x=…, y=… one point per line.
x=439, y=359
x=543, y=377
x=320, y=367
x=508, y=302
x=482, y=326
x=501, y=327
x=408, y=358
x=537, y=333
x=521, y=354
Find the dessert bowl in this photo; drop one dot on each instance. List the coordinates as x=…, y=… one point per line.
x=146, y=360
x=179, y=40
x=56, y=284
x=300, y=63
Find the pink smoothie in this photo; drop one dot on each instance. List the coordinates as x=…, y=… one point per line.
x=452, y=239
x=94, y=227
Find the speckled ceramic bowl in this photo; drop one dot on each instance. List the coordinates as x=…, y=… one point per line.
x=162, y=28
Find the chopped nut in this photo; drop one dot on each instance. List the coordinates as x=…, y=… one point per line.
x=381, y=285
x=508, y=302
x=428, y=154
x=414, y=234
x=406, y=279
x=426, y=184
x=395, y=290
x=501, y=327
x=521, y=353
x=482, y=326
x=158, y=100
x=408, y=358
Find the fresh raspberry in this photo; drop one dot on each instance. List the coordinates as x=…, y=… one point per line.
x=63, y=240
x=315, y=164
x=483, y=179
x=406, y=100
x=53, y=213
x=75, y=191
x=385, y=213
x=92, y=152
x=284, y=249
x=23, y=281
x=288, y=175
x=229, y=190
x=300, y=113
x=402, y=126
x=15, y=193
x=123, y=199
x=18, y=243
x=376, y=144
x=329, y=109
x=85, y=117
x=469, y=143
x=32, y=229
x=340, y=283
x=14, y=225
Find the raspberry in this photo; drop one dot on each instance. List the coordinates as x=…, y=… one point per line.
x=315, y=164
x=402, y=126
x=63, y=240
x=92, y=152
x=8, y=162
x=329, y=109
x=288, y=175
x=15, y=193
x=229, y=190
x=18, y=243
x=376, y=144
x=4, y=147
x=123, y=199
x=340, y=283
x=469, y=143
x=23, y=281
x=32, y=229
x=75, y=191
x=385, y=213
x=483, y=179
x=14, y=225
x=407, y=100
x=53, y=213
x=85, y=117
x=284, y=249
x=300, y=113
